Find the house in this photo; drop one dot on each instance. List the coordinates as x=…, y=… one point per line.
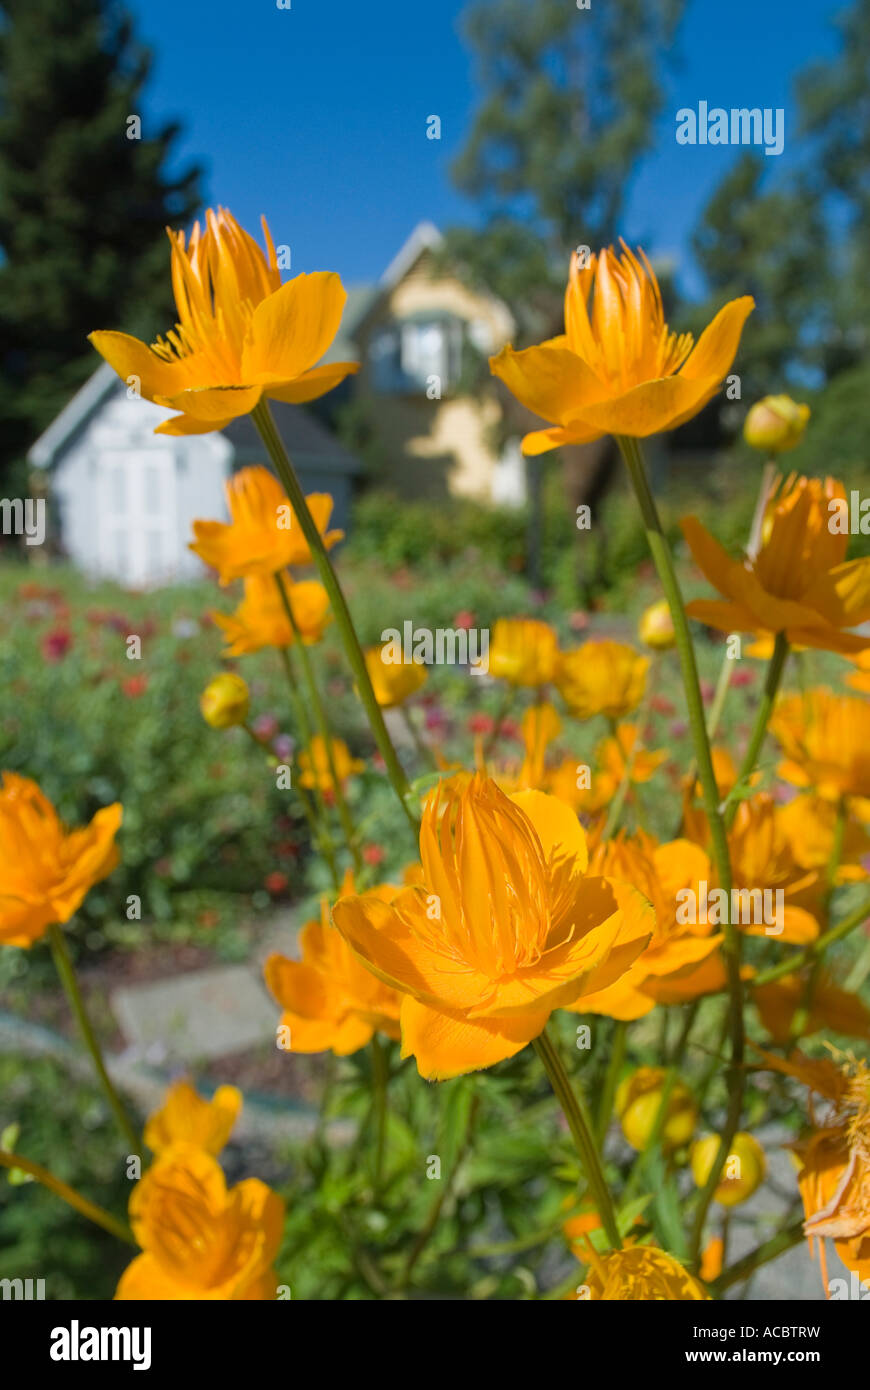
x=427, y=433
x=122, y=499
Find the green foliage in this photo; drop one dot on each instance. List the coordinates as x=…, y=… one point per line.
x=201, y=808
x=66, y=1126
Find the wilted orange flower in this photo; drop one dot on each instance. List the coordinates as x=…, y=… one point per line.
x=241, y=335
x=393, y=681
x=506, y=926
x=826, y=740
x=330, y=999
x=618, y=369
x=46, y=871
x=314, y=763
x=639, y=1274
x=185, y=1118
x=523, y=651
x=799, y=583
x=834, y=1180
x=602, y=677
x=263, y=535
x=831, y=1007
x=200, y=1240
x=261, y=618
x=661, y=873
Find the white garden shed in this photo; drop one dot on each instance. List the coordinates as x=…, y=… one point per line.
x=122, y=499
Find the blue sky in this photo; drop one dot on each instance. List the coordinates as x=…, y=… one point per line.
x=316, y=116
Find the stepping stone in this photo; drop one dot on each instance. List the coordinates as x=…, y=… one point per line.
x=196, y=1016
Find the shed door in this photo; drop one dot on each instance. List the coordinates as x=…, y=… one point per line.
x=136, y=507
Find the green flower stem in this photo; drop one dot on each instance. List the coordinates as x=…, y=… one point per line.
x=816, y=948
x=581, y=1132
x=801, y=1016
x=783, y=1240
x=614, y=1066
x=503, y=711
x=64, y=966
x=654, y=1136
x=752, y=547
x=319, y=823
x=307, y=807
x=380, y=1077
x=630, y=449
x=424, y=752
x=74, y=1199
x=765, y=710
x=262, y=418
x=322, y=725
x=631, y=452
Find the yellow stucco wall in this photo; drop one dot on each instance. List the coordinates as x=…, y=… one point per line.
x=449, y=437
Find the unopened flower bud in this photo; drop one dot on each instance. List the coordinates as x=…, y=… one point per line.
x=225, y=701
x=775, y=424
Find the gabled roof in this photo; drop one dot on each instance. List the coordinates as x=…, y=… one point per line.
x=309, y=443
x=73, y=417
x=425, y=237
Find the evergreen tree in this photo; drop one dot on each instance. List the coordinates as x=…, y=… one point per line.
x=83, y=206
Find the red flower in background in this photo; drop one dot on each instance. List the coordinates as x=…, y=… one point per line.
x=481, y=724
x=56, y=643
x=374, y=855
x=134, y=686
x=276, y=883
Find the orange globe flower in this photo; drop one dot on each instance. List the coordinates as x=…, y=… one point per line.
x=859, y=679
x=639, y=1274
x=678, y=945
x=241, y=335
x=393, y=681
x=799, y=583
x=200, y=1240
x=263, y=535
x=826, y=740
x=618, y=369
x=46, y=871
x=185, y=1118
x=314, y=763
x=762, y=850
x=505, y=927
x=330, y=1000
x=602, y=677
x=523, y=651
x=261, y=619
